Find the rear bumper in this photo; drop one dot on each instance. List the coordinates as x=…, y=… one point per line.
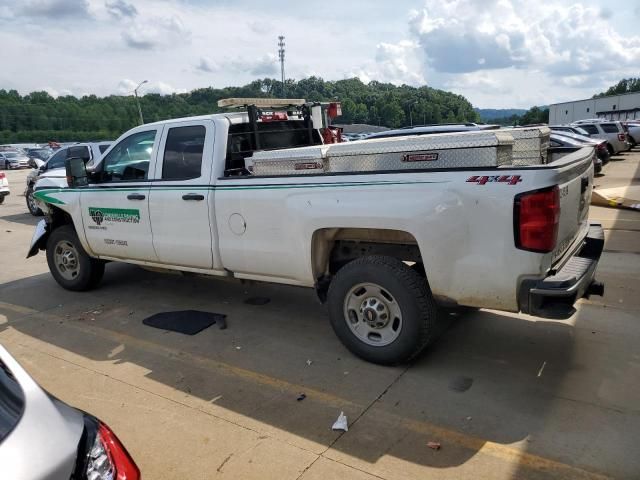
x=555, y=295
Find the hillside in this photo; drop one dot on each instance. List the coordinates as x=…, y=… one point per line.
x=38, y=117
x=488, y=114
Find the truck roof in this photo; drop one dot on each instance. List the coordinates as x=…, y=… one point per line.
x=233, y=117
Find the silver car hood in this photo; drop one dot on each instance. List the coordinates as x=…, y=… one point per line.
x=44, y=443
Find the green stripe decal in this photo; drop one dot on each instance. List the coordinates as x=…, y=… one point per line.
x=44, y=194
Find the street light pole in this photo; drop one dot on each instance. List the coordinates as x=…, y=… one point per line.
x=135, y=92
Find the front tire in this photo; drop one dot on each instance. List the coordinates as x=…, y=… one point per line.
x=68, y=262
x=31, y=203
x=382, y=310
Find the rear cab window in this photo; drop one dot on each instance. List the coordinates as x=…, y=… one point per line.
x=182, y=159
x=12, y=402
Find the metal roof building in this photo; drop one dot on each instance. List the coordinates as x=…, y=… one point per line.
x=614, y=107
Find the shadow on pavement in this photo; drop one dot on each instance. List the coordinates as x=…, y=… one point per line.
x=479, y=383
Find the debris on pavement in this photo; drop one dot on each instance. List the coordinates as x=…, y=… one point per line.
x=301, y=397
x=238, y=347
x=341, y=423
x=309, y=362
x=434, y=445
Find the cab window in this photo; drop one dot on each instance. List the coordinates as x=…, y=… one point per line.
x=183, y=153
x=129, y=159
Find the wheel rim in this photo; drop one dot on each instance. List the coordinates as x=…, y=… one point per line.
x=66, y=260
x=372, y=314
x=33, y=206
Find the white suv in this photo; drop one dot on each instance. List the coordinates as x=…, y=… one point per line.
x=612, y=132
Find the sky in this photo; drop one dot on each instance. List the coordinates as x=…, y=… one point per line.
x=497, y=53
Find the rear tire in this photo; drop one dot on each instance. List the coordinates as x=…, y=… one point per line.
x=2, y=199
x=68, y=262
x=382, y=310
x=610, y=148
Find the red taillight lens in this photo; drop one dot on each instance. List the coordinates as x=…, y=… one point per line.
x=601, y=146
x=537, y=215
x=108, y=459
x=622, y=137
x=2, y=175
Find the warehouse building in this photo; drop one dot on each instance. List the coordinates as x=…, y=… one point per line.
x=613, y=107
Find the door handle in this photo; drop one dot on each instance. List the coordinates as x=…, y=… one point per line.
x=136, y=196
x=193, y=196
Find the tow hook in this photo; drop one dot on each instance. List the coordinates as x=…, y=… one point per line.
x=595, y=288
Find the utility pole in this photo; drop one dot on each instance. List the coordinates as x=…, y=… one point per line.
x=281, y=58
x=135, y=92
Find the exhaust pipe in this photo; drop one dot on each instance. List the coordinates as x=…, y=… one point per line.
x=595, y=288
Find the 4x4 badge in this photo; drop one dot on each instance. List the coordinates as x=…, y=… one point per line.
x=508, y=179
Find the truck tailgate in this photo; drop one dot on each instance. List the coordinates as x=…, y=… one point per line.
x=575, y=184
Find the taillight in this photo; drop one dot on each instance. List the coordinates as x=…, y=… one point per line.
x=622, y=137
x=2, y=175
x=536, y=218
x=108, y=459
x=601, y=146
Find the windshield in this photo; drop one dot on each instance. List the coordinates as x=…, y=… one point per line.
x=11, y=155
x=11, y=402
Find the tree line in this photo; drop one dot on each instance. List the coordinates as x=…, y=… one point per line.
x=532, y=116
x=39, y=117
x=626, y=85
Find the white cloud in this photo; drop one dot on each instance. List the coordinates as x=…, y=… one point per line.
x=207, y=65
x=126, y=86
x=393, y=63
x=263, y=66
x=153, y=32
x=465, y=36
x=54, y=8
x=119, y=9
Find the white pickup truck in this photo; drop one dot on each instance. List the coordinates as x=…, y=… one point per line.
x=388, y=231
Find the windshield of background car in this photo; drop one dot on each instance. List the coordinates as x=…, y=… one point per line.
x=103, y=148
x=11, y=155
x=57, y=160
x=581, y=131
x=11, y=402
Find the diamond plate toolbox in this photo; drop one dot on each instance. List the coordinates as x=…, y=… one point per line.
x=488, y=148
x=530, y=145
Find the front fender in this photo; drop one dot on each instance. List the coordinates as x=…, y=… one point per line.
x=39, y=239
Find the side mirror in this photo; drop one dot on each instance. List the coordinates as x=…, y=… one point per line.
x=76, y=172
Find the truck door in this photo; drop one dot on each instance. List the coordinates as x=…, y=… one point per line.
x=115, y=209
x=181, y=198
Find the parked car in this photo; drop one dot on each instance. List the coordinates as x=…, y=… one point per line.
x=569, y=129
x=43, y=438
x=13, y=159
x=4, y=186
x=633, y=129
x=612, y=132
x=386, y=231
x=52, y=173
x=565, y=144
x=37, y=156
x=601, y=145
x=430, y=129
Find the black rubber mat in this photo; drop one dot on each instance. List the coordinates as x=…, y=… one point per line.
x=257, y=300
x=188, y=322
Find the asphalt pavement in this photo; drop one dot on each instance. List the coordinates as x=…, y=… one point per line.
x=506, y=396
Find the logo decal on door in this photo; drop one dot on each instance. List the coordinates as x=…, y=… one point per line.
x=114, y=215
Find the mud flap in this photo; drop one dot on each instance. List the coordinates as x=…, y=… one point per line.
x=39, y=239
